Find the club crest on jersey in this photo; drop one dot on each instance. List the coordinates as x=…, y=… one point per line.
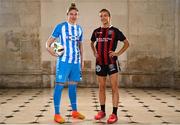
x=110, y=32
x=98, y=68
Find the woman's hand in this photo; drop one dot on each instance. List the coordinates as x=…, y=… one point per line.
x=96, y=55
x=112, y=54
x=51, y=51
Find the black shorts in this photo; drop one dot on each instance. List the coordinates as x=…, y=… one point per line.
x=104, y=70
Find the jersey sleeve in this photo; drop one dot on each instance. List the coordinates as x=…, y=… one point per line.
x=56, y=32
x=93, y=37
x=120, y=36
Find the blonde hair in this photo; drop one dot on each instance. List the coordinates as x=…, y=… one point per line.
x=72, y=7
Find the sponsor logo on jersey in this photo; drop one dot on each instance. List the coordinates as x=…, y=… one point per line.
x=70, y=37
x=112, y=67
x=103, y=39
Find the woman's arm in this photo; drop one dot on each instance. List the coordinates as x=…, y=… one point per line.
x=50, y=49
x=81, y=53
x=121, y=51
x=94, y=49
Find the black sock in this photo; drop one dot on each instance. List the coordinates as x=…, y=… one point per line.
x=103, y=108
x=115, y=110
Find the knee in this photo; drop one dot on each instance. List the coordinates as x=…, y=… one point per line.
x=59, y=83
x=115, y=89
x=102, y=88
x=72, y=83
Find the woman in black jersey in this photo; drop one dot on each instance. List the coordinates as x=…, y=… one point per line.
x=104, y=42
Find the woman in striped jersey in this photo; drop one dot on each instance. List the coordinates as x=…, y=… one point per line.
x=68, y=66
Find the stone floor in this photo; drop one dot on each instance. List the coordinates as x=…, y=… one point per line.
x=137, y=106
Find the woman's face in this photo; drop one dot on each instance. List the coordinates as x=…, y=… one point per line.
x=72, y=16
x=105, y=19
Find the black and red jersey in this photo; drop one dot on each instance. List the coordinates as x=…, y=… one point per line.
x=106, y=40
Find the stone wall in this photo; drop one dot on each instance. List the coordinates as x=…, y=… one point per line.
x=151, y=26
x=151, y=59
x=20, y=57
x=177, y=45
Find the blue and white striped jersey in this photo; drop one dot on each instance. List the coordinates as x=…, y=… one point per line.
x=69, y=36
